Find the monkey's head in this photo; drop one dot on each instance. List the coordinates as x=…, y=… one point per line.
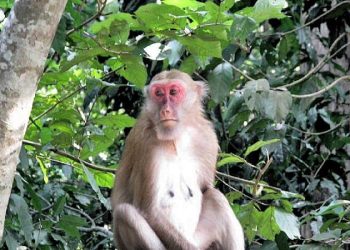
x=173, y=101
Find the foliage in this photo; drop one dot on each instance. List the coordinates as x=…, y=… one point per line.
x=284, y=154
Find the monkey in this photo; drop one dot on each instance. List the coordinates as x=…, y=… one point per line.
x=164, y=197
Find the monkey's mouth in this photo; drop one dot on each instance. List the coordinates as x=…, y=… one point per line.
x=168, y=120
x=168, y=123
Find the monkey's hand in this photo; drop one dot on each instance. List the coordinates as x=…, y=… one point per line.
x=168, y=234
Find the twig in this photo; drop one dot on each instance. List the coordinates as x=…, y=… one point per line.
x=261, y=173
x=104, y=48
x=248, y=182
x=324, y=89
x=101, y=6
x=71, y=157
x=319, y=133
x=201, y=77
x=322, y=164
x=35, y=124
x=314, y=20
x=93, y=224
x=239, y=71
x=319, y=65
x=236, y=190
x=57, y=103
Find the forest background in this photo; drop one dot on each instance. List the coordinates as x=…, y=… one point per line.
x=278, y=73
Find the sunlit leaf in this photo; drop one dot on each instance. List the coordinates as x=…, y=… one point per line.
x=231, y=158
x=288, y=223
x=256, y=146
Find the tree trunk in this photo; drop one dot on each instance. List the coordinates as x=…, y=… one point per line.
x=24, y=44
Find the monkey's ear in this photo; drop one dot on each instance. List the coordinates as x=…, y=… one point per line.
x=146, y=91
x=202, y=89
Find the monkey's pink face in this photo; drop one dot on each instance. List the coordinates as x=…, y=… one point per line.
x=168, y=97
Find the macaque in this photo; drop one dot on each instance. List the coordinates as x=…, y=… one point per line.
x=164, y=196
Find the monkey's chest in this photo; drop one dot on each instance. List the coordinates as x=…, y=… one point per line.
x=178, y=194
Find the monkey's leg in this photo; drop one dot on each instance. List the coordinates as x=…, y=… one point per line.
x=133, y=231
x=218, y=227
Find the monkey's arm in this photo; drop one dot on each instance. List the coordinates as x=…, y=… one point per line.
x=218, y=226
x=168, y=234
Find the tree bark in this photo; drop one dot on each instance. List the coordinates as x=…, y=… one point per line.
x=24, y=45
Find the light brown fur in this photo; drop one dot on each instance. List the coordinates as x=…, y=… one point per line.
x=138, y=223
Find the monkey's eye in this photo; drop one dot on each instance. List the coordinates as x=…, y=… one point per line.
x=173, y=92
x=159, y=93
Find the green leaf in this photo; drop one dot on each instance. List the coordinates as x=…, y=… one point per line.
x=232, y=196
x=238, y=121
x=227, y=4
x=81, y=57
x=250, y=218
x=70, y=224
x=161, y=17
x=191, y=4
x=10, y=240
x=45, y=135
x=56, y=77
x=256, y=146
x=24, y=217
x=62, y=126
x=6, y=4
x=332, y=206
x=35, y=200
x=59, y=205
x=105, y=180
x=241, y=27
x=95, y=187
x=125, y=18
x=70, y=115
x=288, y=223
x=277, y=105
x=119, y=30
x=97, y=144
x=200, y=47
x=230, y=158
x=43, y=169
x=215, y=14
x=189, y=65
x=220, y=81
x=274, y=105
x=252, y=89
x=134, y=70
x=268, y=227
x=289, y=195
x=330, y=235
x=118, y=120
x=265, y=9
x=212, y=32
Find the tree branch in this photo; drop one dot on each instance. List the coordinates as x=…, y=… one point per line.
x=113, y=52
x=56, y=104
x=71, y=157
x=314, y=20
x=260, y=174
x=318, y=133
x=248, y=182
x=323, y=61
x=347, y=77
x=101, y=6
x=239, y=71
